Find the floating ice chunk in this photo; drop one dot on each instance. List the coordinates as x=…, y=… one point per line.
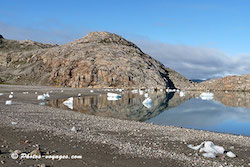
x=120, y=90
x=25, y=93
x=62, y=91
x=8, y=102
x=110, y=98
x=91, y=91
x=207, y=96
x=46, y=95
x=182, y=94
x=230, y=154
x=42, y=103
x=141, y=92
x=113, y=96
x=134, y=91
x=146, y=95
x=79, y=94
x=40, y=97
x=35, y=93
x=73, y=129
x=69, y=103
x=147, y=102
x=11, y=93
x=11, y=96
x=1, y=94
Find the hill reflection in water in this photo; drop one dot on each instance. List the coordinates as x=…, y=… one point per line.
x=129, y=107
x=227, y=112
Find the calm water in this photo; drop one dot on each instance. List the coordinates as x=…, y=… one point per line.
x=227, y=112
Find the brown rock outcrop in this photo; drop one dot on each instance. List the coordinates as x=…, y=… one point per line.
x=100, y=59
x=229, y=83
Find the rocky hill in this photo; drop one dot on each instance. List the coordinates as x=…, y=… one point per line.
x=100, y=59
x=229, y=83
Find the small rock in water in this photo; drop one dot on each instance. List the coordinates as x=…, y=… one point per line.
x=8, y=102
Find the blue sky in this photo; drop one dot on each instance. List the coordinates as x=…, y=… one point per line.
x=216, y=28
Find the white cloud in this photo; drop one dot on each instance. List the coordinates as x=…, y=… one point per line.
x=196, y=62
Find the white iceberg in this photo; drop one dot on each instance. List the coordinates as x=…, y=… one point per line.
x=182, y=94
x=40, y=97
x=211, y=150
x=113, y=96
x=46, y=95
x=207, y=96
x=8, y=102
x=69, y=103
x=141, y=92
x=134, y=91
x=148, y=102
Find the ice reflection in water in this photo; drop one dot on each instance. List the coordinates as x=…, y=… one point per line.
x=227, y=112
x=129, y=107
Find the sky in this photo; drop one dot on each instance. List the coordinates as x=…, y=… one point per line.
x=198, y=38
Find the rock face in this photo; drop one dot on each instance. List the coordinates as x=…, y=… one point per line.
x=229, y=83
x=100, y=59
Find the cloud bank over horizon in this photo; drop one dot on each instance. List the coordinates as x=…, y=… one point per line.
x=196, y=62
x=192, y=62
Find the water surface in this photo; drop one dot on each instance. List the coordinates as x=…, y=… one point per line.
x=226, y=113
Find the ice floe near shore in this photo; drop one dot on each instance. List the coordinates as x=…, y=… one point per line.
x=113, y=96
x=69, y=103
x=207, y=96
x=148, y=102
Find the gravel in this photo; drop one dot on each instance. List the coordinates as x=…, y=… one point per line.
x=137, y=139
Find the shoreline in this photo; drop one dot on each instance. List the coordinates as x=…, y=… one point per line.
x=125, y=139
